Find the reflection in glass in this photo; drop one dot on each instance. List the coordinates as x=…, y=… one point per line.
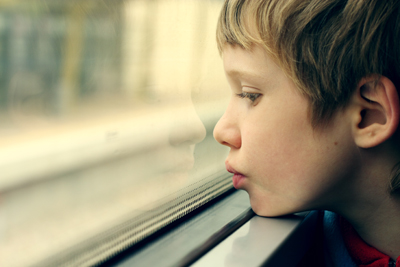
x=259, y=240
x=106, y=107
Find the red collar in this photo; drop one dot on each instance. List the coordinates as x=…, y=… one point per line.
x=362, y=253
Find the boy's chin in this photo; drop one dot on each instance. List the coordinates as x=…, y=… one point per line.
x=267, y=209
x=270, y=213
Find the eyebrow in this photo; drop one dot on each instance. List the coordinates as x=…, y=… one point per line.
x=242, y=74
x=253, y=78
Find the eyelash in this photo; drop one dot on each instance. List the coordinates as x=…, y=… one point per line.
x=251, y=96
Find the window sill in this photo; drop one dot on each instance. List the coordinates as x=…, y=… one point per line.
x=226, y=233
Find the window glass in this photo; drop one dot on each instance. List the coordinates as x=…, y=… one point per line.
x=106, y=110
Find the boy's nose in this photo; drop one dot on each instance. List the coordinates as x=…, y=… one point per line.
x=226, y=131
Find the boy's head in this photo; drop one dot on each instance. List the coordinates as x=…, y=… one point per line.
x=341, y=57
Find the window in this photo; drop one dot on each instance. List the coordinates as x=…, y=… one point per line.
x=106, y=115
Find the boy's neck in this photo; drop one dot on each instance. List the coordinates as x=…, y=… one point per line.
x=372, y=210
x=379, y=227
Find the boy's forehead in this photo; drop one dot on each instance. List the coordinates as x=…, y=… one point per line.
x=253, y=63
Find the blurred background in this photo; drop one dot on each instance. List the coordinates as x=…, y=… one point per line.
x=106, y=107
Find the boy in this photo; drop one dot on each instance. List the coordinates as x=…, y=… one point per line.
x=313, y=119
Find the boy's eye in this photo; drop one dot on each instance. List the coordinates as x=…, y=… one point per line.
x=252, y=96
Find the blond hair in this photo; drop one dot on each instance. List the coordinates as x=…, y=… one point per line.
x=325, y=46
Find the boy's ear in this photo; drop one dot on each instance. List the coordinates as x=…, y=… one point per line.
x=377, y=106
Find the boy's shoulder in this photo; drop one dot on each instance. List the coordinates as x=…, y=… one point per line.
x=336, y=243
x=315, y=254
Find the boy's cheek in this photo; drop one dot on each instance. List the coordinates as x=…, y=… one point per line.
x=278, y=186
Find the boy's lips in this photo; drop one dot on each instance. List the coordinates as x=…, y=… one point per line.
x=237, y=178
